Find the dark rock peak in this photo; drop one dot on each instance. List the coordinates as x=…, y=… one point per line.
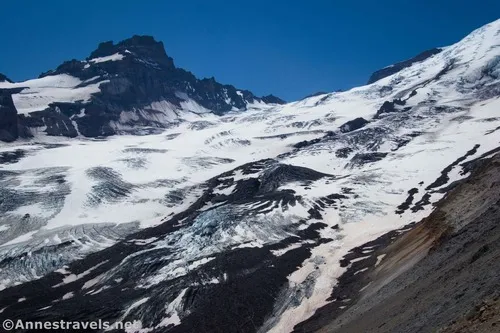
x=271, y=99
x=141, y=46
x=144, y=74
x=4, y=78
x=384, y=72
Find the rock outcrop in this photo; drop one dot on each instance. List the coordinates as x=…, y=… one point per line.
x=384, y=72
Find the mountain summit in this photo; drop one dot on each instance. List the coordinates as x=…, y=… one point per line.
x=125, y=87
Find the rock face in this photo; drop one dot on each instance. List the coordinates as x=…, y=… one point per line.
x=353, y=125
x=131, y=84
x=4, y=78
x=271, y=99
x=9, y=128
x=384, y=72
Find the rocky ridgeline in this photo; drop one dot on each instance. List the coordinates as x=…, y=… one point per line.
x=144, y=74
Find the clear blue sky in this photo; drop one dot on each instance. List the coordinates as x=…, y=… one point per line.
x=288, y=48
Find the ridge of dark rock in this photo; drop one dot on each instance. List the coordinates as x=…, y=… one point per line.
x=384, y=72
x=133, y=74
x=4, y=78
x=10, y=129
x=271, y=99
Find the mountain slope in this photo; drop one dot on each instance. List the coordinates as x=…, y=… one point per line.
x=446, y=267
x=393, y=69
x=267, y=204
x=121, y=88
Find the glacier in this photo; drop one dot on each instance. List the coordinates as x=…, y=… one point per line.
x=249, y=212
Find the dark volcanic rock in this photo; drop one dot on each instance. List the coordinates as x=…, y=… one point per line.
x=284, y=173
x=4, y=78
x=384, y=72
x=8, y=119
x=137, y=73
x=10, y=129
x=406, y=204
x=390, y=107
x=343, y=152
x=353, y=125
x=363, y=158
x=271, y=99
x=443, y=178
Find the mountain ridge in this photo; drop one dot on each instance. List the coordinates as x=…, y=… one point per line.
x=120, y=88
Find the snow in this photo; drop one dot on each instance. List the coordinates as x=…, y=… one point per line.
x=70, y=277
x=92, y=282
x=39, y=93
x=200, y=262
x=68, y=295
x=286, y=249
x=133, y=306
x=171, y=311
x=113, y=57
x=23, y=238
x=379, y=259
x=182, y=158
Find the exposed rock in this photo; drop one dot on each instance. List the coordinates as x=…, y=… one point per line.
x=271, y=99
x=384, y=72
x=390, y=107
x=445, y=267
x=10, y=129
x=135, y=74
x=363, y=158
x=353, y=125
x=4, y=78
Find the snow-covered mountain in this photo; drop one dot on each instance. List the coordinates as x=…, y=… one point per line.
x=132, y=86
x=238, y=215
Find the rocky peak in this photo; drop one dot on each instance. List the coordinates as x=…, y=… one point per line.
x=134, y=84
x=4, y=78
x=271, y=99
x=141, y=46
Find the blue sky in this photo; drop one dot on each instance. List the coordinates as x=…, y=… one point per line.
x=288, y=48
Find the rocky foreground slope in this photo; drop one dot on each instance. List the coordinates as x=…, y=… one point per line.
x=439, y=275
x=272, y=218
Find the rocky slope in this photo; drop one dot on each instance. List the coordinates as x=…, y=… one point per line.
x=125, y=87
x=439, y=275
